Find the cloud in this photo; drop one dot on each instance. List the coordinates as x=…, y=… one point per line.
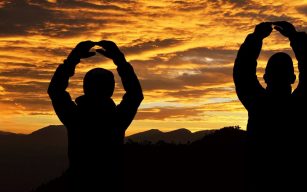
x=160, y=83
x=25, y=73
x=18, y=17
x=139, y=45
x=192, y=113
x=17, y=65
x=203, y=77
x=199, y=93
x=29, y=105
x=187, y=6
x=302, y=9
x=79, y=5
x=30, y=88
x=21, y=17
x=167, y=113
x=202, y=56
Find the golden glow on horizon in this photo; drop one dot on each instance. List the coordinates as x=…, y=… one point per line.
x=183, y=57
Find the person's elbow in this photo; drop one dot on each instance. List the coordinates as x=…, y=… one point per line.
x=51, y=91
x=140, y=97
x=137, y=97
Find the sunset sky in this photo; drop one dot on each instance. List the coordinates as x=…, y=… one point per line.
x=182, y=51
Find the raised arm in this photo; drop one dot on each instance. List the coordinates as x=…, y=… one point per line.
x=244, y=72
x=61, y=100
x=134, y=95
x=298, y=41
x=299, y=45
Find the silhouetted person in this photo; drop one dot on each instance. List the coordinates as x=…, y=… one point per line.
x=276, y=115
x=95, y=125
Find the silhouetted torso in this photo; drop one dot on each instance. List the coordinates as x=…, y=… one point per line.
x=96, y=129
x=276, y=123
x=271, y=116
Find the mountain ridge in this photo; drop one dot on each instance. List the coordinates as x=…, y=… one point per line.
x=180, y=135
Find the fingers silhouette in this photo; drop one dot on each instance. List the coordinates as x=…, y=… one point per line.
x=264, y=29
x=109, y=50
x=285, y=28
x=82, y=50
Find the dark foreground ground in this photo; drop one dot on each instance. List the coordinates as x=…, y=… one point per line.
x=213, y=163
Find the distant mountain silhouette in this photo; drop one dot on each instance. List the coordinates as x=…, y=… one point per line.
x=51, y=130
x=6, y=133
x=27, y=161
x=53, y=134
x=179, y=136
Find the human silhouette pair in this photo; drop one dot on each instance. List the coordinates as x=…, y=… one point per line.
x=95, y=125
x=276, y=125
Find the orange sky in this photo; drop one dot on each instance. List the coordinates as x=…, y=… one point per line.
x=182, y=51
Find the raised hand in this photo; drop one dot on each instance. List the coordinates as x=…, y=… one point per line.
x=285, y=28
x=82, y=50
x=263, y=30
x=110, y=50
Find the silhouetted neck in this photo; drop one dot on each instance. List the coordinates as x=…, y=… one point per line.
x=279, y=92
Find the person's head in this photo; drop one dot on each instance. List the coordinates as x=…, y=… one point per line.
x=99, y=82
x=279, y=74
